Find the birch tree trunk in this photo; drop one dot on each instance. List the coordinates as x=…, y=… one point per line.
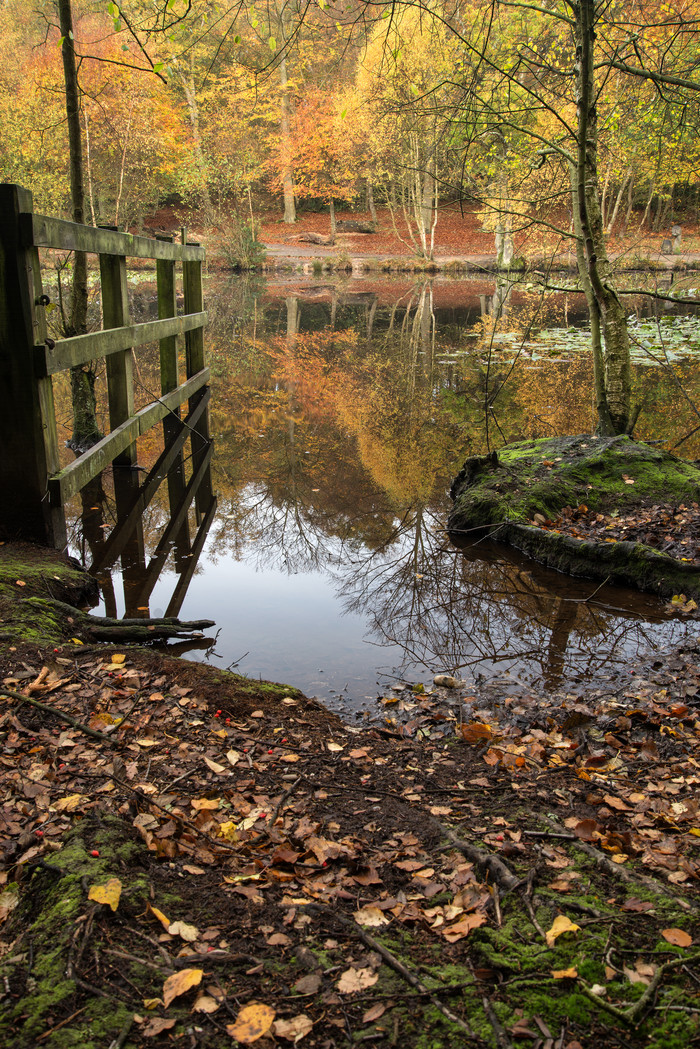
x=613, y=320
x=290, y=214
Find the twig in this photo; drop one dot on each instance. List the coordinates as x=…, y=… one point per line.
x=497, y=868
x=60, y=714
x=63, y=1023
x=502, y=1040
x=633, y=1015
x=123, y=1034
x=290, y=790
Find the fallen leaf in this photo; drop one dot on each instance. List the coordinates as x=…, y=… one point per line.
x=561, y=925
x=188, y=933
x=462, y=928
x=677, y=937
x=371, y=917
x=374, y=1013
x=156, y=1026
x=356, y=980
x=293, y=1030
x=253, y=1022
x=164, y=921
x=179, y=983
x=206, y=1004
x=476, y=732
x=565, y=974
x=108, y=893
x=307, y=984
x=215, y=766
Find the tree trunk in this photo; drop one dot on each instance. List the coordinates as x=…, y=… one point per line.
x=290, y=214
x=613, y=320
x=85, y=429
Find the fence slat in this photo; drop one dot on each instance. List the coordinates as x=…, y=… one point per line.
x=66, y=353
x=70, y=480
x=45, y=232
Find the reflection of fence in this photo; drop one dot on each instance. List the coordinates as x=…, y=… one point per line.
x=33, y=487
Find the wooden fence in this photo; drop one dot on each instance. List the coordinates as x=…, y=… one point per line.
x=33, y=487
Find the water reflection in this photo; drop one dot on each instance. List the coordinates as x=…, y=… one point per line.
x=340, y=414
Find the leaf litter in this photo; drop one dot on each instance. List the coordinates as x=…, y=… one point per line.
x=504, y=866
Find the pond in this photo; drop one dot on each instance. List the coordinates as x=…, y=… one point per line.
x=340, y=413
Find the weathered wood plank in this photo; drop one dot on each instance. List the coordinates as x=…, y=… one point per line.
x=27, y=429
x=67, y=353
x=70, y=480
x=45, y=232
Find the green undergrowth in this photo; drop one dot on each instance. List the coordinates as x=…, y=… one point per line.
x=30, y=578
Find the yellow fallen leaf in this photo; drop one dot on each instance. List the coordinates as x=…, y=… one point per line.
x=108, y=893
x=227, y=831
x=152, y=1003
x=564, y=974
x=117, y=657
x=334, y=747
x=68, y=804
x=233, y=756
x=561, y=925
x=179, y=983
x=253, y=1022
x=164, y=921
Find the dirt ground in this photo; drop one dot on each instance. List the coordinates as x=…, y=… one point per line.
x=197, y=859
x=459, y=235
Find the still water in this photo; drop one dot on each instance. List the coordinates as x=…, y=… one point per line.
x=340, y=413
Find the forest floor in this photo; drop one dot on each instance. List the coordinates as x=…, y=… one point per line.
x=193, y=859
x=459, y=237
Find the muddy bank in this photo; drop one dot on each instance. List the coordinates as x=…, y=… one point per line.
x=518, y=494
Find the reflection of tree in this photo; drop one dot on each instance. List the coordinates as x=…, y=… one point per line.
x=484, y=614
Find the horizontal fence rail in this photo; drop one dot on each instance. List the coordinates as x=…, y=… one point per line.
x=29, y=459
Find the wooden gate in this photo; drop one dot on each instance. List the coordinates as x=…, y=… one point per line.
x=33, y=487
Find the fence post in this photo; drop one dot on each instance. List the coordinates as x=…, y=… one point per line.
x=28, y=441
x=194, y=352
x=169, y=379
x=120, y=392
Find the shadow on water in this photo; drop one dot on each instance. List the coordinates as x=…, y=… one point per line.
x=340, y=414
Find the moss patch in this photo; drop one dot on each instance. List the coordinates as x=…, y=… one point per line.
x=505, y=492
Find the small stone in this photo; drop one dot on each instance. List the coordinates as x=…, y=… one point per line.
x=447, y=681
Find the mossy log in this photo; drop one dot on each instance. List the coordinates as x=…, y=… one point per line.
x=104, y=628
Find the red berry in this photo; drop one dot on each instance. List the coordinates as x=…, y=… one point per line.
x=95, y=852
x=39, y=833
x=269, y=752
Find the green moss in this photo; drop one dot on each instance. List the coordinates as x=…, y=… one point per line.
x=544, y=476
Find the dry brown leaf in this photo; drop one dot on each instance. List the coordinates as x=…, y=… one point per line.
x=293, y=1030
x=374, y=1013
x=371, y=917
x=307, y=984
x=215, y=766
x=356, y=980
x=206, y=1004
x=678, y=937
x=188, y=933
x=179, y=983
x=253, y=1022
x=156, y=1026
x=463, y=927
